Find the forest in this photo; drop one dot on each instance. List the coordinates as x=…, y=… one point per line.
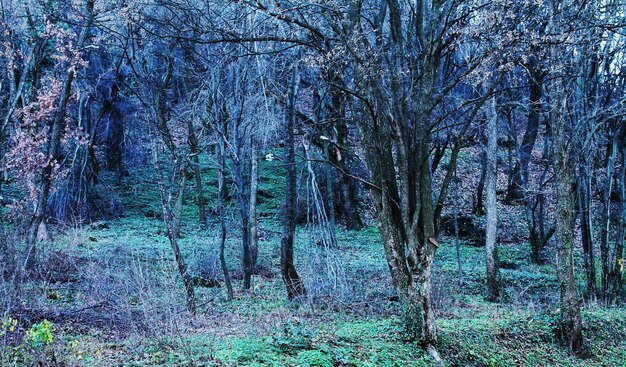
x=312, y=183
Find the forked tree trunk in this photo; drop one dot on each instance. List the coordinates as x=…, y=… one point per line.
x=293, y=282
x=177, y=181
x=493, y=273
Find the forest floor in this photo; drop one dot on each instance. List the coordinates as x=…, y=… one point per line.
x=113, y=295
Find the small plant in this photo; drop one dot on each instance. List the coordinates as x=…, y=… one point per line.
x=293, y=339
x=313, y=358
x=8, y=325
x=41, y=334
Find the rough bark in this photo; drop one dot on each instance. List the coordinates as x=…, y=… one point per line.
x=348, y=188
x=570, y=316
x=493, y=274
x=516, y=191
x=293, y=282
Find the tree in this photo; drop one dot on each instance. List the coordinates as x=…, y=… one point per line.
x=493, y=274
x=293, y=282
x=52, y=147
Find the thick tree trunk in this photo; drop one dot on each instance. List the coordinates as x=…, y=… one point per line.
x=516, y=191
x=349, y=202
x=571, y=320
x=493, y=274
x=347, y=185
x=293, y=282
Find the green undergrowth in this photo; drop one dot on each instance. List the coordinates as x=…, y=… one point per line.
x=512, y=339
x=262, y=328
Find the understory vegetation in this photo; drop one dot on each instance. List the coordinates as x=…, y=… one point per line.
x=312, y=183
x=109, y=295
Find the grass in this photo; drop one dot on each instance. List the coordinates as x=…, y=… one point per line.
x=128, y=263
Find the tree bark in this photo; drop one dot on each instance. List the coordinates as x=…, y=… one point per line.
x=244, y=212
x=570, y=317
x=479, y=207
x=177, y=181
x=254, y=188
x=586, y=227
x=221, y=212
x=293, y=282
x=493, y=273
x=195, y=159
x=516, y=191
x=616, y=281
x=606, y=214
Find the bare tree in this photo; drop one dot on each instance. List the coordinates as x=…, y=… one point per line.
x=493, y=273
x=293, y=282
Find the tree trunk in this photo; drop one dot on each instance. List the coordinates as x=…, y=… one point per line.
x=330, y=200
x=293, y=282
x=53, y=147
x=584, y=206
x=479, y=208
x=244, y=212
x=177, y=184
x=254, y=188
x=520, y=171
x=606, y=214
x=571, y=320
x=493, y=274
x=457, y=244
x=193, y=146
x=347, y=185
x=221, y=212
x=348, y=189
x=615, y=282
